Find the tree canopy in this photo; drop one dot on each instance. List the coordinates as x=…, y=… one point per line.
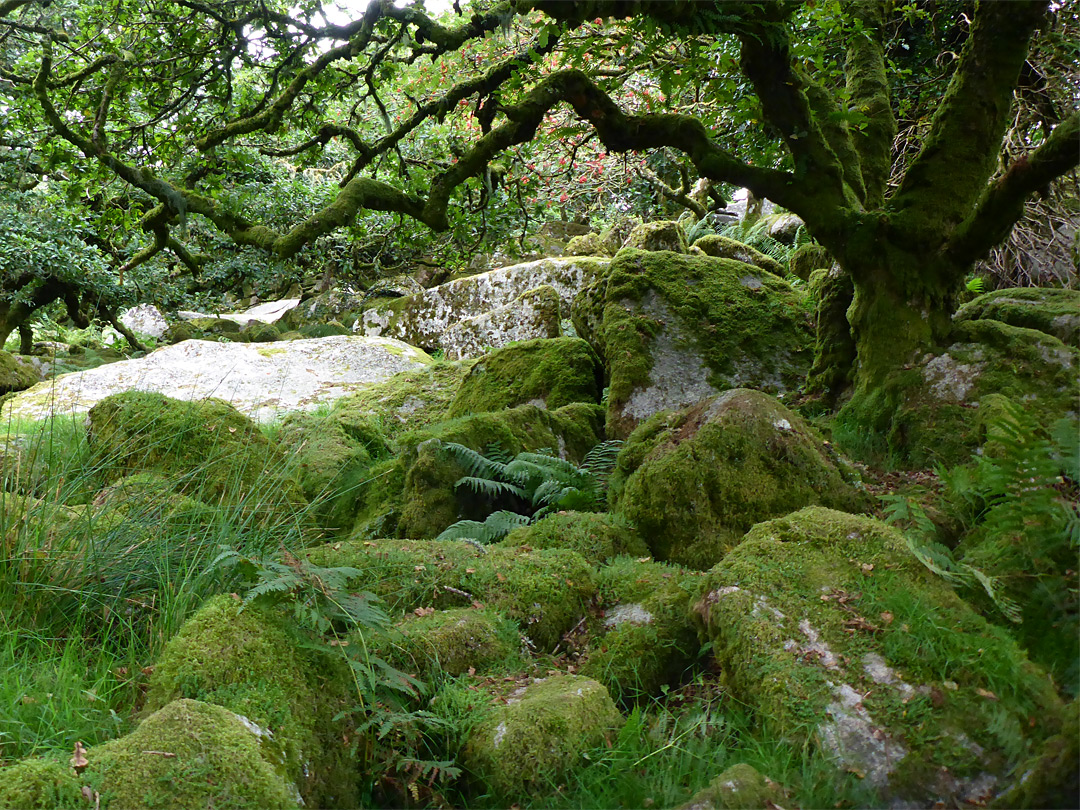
x=892, y=129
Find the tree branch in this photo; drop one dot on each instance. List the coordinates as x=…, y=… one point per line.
x=1002, y=203
x=864, y=71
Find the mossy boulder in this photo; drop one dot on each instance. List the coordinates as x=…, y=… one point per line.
x=724, y=248
x=546, y=373
x=430, y=501
x=533, y=314
x=423, y=319
x=596, y=537
x=674, y=330
x=207, y=448
x=833, y=631
x=251, y=662
x=259, y=332
x=321, y=330
x=589, y=244
x=39, y=784
x=928, y=413
x=16, y=374
x=451, y=641
x=625, y=580
x=644, y=645
x=202, y=328
x=1053, y=311
x=694, y=481
x=530, y=743
x=659, y=235
x=544, y=591
x=807, y=258
x=740, y=787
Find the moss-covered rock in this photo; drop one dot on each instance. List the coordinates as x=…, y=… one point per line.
x=674, y=330
x=722, y=247
x=694, y=481
x=589, y=244
x=207, y=448
x=926, y=413
x=740, y=787
x=259, y=332
x=39, y=784
x=191, y=754
x=659, y=235
x=528, y=745
x=830, y=628
x=533, y=314
x=16, y=374
x=422, y=319
x=321, y=330
x=252, y=663
x=430, y=501
x=1053, y=311
x=544, y=591
x=202, y=328
x=807, y=258
x=547, y=373
x=596, y=537
x=452, y=641
x=644, y=645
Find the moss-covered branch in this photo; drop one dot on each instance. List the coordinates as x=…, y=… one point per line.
x=864, y=71
x=959, y=155
x=1002, y=203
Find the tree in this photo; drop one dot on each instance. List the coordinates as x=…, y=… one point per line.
x=177, y=92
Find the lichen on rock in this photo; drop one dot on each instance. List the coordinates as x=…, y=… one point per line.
x=533, y=314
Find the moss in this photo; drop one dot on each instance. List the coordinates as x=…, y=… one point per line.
x=409, y=400
x=544, y=591
x=259, y=332
x=840, y=638
x=321, y=330
x=39, y=784
x=646, y=645
x=529, y=744
x=628, y=579
x=1050, y=778
x=596, y=537
x=1053, y=311
x=694, y=481
x=451, y=641
x=722, y=247
x=925, y=413
x=677, y=329
x=834, y=346
x=554, y=372
x=740, y=787
x=808, y=258
x=208, y=448
x=589, y=244
x=202, y=328
x=660, y=235
x=189, y=754
x=251, y=663
x=430, y=501
x=15, y=374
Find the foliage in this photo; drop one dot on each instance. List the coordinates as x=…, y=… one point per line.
x=535, y=484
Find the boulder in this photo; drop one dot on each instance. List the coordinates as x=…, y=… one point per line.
x=187, y=754
x=261, y=381
x=694, y=481
x=251, y=662
x=807, y=258
x=1055, y=312
x=206, y=449
x=589, y=244
x=16, y=374
x=422, y=319
x=722, y=247
x=342, y=304
x=541, y=733
x=545, y=373
x=202, y=327
x=740, y=787
x=660, y=235
x=595, y=536
x=784, y=228
x=145, y=319
x=834, y=632
x=270, y=312
x=929, y=412
x=546, y=591
x=533, y=314
x=674, y=330
x=452, y=641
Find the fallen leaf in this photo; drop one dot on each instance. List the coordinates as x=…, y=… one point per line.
x=986, y=693
x=424, y=611
x=500, y=577
x=867, y=568
x=470, y=570
x=886, y=617
x=419, y=568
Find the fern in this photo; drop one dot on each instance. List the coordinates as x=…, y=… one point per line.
x=542, y=482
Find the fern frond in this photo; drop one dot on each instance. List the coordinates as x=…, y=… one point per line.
x=475, y=464
x=1009, y=608
x=490, y=488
